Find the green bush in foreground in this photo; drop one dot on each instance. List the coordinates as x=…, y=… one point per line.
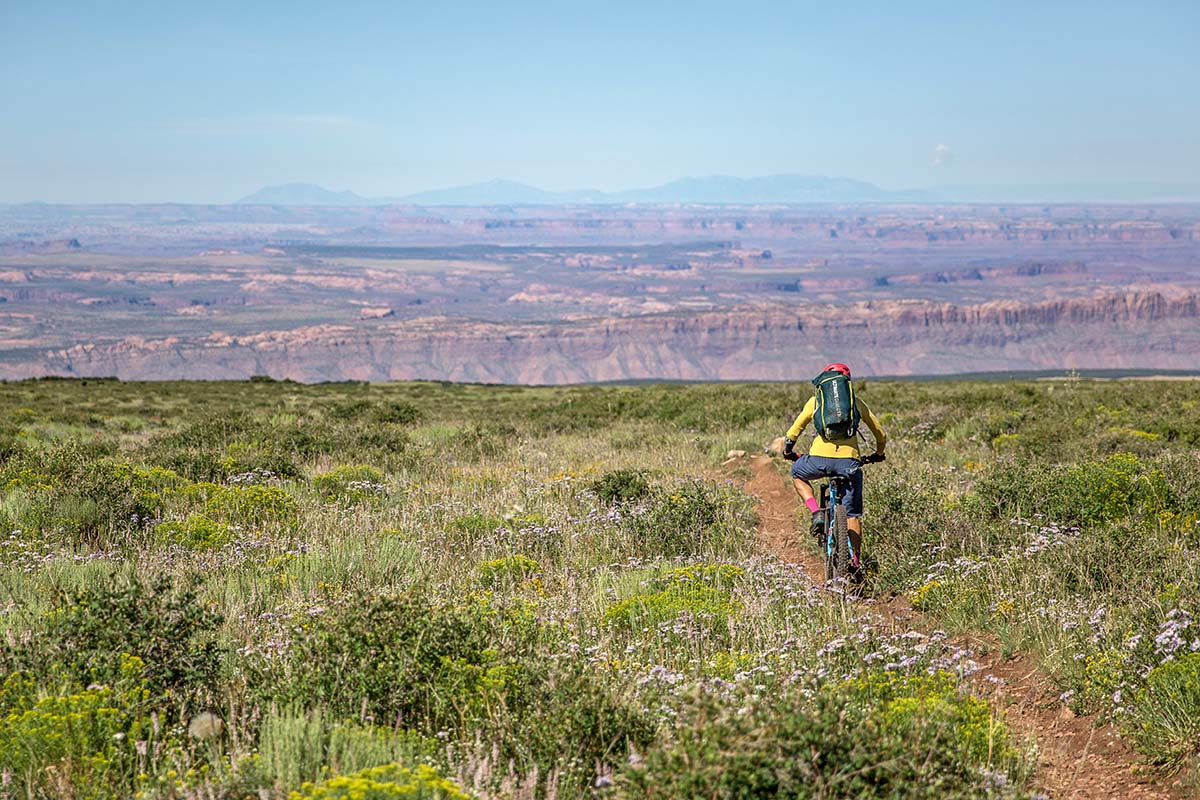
x=74, y=742
x=693, y=517
x=621, y=486
x=92, y=631
x=396, y=657
x=913, y=737
x=704, y=602
x=700, y=590
x=903, y=704
x=1165, y=719
x=297, y=746
x=461, y=671
x=387, y=782
x=1089, y=492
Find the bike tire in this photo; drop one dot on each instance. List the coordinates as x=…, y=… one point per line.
x=830, y=561
x=841, y=555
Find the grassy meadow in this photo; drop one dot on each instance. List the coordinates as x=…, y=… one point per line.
x=271, y=590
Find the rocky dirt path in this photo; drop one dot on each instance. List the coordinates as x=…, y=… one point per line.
x=1077, y=759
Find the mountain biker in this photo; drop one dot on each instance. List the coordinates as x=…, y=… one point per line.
x=827, y=458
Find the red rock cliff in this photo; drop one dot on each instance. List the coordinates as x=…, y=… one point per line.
x=1137, y=329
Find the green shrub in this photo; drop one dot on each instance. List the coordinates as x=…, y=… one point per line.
x=213, y=431
x=1164, y=721
x=572, y=718
x=465, y=670
x=905, y=705
x=297, y=746
x=386, y=782
x=431, y=665
x=917, y=740
x=74, y=743
x=511, y=569
x=385, y=439
x=1091, y=492
x=69, y=491
x=701, y=590
x=352, y=483
x=93, y=629
x=260, y=456
x=648, y=610
x=1110, y=489
x=195, y=531
x=693, y=518
x=252, y=505
x=197, y=464
x=396, y=412
x=477, y=524
x=487, y=440
x=621, y=486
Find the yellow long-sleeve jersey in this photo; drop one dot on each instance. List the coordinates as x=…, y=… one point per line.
x=837, y=448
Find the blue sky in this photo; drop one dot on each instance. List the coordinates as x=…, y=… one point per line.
x=161, y=101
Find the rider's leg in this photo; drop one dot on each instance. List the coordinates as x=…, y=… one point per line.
x=854, y=508
x=802, y=472
x=804, y=489
x=854, y=526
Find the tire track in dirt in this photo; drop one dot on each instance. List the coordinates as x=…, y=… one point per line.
x=1077, y=759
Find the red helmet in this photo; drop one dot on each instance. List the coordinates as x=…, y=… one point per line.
x=842, y=368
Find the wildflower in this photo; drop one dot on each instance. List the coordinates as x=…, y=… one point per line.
x=205, y=725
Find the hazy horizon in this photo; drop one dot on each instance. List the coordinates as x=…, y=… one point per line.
x=135, y=102
x=503, y=191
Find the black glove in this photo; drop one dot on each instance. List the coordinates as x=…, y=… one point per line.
x=788, y=452
x=875, y=458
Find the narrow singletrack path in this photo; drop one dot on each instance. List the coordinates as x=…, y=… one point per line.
x=1077, y=759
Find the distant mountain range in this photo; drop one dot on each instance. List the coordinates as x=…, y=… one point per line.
x=716, y=189
x=303, y=194
x=723, y=189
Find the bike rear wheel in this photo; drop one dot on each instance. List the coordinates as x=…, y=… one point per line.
x=827, y=534
x=841, y=554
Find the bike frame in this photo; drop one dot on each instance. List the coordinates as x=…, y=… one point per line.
x=831, y=494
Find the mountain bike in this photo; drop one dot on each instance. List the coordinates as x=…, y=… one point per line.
x=834, y=533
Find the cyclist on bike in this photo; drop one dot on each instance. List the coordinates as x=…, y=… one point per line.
x=827, y=458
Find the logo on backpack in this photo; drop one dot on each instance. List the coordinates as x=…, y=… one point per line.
x=836, y=415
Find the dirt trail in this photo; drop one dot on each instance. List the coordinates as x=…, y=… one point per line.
x=1076, y=758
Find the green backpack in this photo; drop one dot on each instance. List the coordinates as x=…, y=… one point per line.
x=836, y=415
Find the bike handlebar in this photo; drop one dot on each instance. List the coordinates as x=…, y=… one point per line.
x=874, y=458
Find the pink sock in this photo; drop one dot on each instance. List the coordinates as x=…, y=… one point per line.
x=812, y=504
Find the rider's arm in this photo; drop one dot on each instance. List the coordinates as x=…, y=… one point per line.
x=806, y=415
x=873, y=424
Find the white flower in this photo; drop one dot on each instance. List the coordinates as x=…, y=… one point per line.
x=205, y=725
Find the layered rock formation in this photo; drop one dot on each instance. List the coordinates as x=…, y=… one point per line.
x=1148, y=329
